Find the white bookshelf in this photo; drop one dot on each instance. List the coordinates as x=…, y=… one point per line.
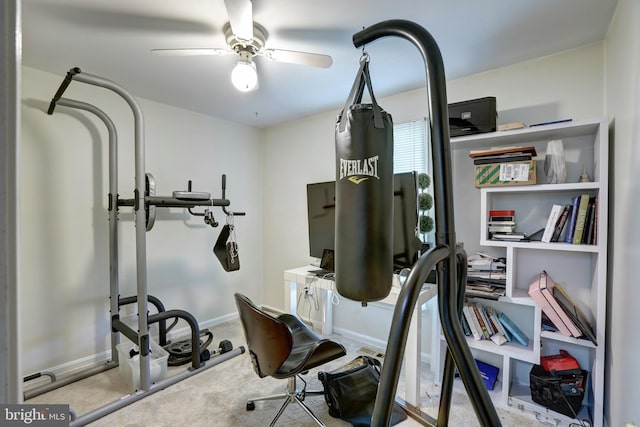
x=581, y=269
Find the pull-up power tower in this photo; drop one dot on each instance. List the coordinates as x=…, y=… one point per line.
x=144, y=203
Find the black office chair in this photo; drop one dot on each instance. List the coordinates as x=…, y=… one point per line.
x=283, y=347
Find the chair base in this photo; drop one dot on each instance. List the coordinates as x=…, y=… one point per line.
x=292, y=395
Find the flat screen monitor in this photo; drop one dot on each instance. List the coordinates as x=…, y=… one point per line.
x=321, y=205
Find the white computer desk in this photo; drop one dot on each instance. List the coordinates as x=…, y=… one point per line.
x=413, y=348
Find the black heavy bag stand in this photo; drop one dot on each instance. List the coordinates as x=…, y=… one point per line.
x=450, y=261
x=364, y=195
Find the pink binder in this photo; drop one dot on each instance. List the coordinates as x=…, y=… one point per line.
x=541, y=290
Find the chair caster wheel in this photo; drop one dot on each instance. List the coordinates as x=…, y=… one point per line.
x=251, y=406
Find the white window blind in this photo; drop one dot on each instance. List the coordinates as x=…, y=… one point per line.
x=410, y=151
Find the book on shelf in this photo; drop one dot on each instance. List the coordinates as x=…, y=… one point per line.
x=556, y=210
x=515, y=332
x=465, y=326
x=499, y=326
x=547, y=324
x=485, y=318
x=472, y=321
x=501, y=228
x=501, y=218
x=502, y=158
x=484, y=331
x=574, y=312
x=486, y=277
x=594, y=238
x=512, y=126
x=484, y=291
x=502, y=213
x=583, y=206
x=572, y=219
x=500, y=223
x=541, y=291
x=587, y=236
x=488, y=374
x=511, y=237
x=502, y=150
x=562, y=222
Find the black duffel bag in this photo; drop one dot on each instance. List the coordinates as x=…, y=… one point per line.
x=350, y=392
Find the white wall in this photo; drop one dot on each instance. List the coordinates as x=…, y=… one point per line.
x=566, y=85
x=64, y=242
x=623, y=109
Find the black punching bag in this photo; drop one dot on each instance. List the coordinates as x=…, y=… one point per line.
x=364, y=196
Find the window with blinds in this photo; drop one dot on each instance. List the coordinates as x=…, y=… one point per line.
x=410, y=152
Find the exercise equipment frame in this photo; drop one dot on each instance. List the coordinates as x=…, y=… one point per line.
x=449, y=260
x=143, y=203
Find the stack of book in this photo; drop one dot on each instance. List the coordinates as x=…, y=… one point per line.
x=574, y=222
x=561, y=313
x=502, y=225
x=502, y=155
x=485, y=323
x=486, y=277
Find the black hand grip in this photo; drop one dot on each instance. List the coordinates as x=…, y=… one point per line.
x=63, y=86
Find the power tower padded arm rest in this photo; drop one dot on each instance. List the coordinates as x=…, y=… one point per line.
x=191, y=195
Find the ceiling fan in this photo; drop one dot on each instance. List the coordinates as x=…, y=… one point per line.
x=246, y=39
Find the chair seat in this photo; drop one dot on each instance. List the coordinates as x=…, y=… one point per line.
x=309, y=349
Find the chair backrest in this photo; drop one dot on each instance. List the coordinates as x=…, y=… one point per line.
x=269, y=340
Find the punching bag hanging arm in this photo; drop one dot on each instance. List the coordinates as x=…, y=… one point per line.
x=445, y=253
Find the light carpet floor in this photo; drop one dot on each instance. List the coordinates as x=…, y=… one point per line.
x=217, y=396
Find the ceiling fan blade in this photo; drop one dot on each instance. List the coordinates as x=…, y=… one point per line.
x=241, y=18
x=191, y=52
x=295, y=57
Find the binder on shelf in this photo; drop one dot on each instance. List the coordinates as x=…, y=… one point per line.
x=541, y=290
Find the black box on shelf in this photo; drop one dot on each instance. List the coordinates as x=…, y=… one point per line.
x=473, y=116
x=560, y=391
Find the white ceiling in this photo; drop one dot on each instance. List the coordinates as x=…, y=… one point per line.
x=113, y=39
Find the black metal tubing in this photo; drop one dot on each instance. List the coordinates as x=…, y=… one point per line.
x=449, y=364
x=161, y=317
x=398, y=332
x=162, y=325
x=195, y=331
x=224, y=190
x=126, y=330
x=445, y=252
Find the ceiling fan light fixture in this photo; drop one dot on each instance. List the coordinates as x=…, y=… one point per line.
x=244, y=75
